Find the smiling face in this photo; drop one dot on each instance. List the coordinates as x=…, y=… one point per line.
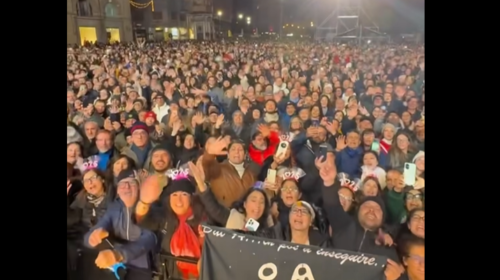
x=254, y=205
x=417, y=224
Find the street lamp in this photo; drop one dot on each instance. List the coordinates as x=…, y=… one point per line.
x=219, y=14
x=248, y=20
x=240, y=16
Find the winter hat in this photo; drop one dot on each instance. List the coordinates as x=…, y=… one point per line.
x=73, y=135
x=150, y=114
x=308, y=206
x=418, y=155
x=126, y=174
x=137, y=126
x=378, y=200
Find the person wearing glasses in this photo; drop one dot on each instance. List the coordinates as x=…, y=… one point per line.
x=118, y=238
x=413, y=254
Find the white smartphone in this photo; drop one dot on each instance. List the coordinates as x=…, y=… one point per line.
x=271, y=176
x=410, y=173
x=252, y=225
x=282, y=147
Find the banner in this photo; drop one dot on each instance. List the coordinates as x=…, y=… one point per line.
x=231, y=255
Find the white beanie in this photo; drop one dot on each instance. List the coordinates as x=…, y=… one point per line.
x=73, y=135
x=418, y=155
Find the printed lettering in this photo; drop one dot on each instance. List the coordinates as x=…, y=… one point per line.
x=288, y=247
x=267, y=243
x=306, y=250
x=270, y=266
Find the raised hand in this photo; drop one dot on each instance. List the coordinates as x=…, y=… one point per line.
x=217, y=148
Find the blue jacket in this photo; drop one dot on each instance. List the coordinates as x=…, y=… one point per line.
x=118, y=222
x=349, y=161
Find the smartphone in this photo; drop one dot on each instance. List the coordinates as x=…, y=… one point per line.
x=376, y=146
x=271, y=176
x=282, y=147
x=323, y=148
x=252, y=225
x=410, y=174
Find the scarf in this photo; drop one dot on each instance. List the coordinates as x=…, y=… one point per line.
x=385, y=145
x=185, y=243
x=95, y=201
x=237, y=129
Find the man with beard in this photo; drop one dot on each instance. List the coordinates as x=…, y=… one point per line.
x=161, y=161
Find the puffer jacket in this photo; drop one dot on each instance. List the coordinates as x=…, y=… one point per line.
x=120, y=225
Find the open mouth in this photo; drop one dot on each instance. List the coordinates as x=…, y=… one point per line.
x=370, y=216
x=297, y=222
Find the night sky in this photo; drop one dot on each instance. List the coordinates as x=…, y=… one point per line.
x=392, y=16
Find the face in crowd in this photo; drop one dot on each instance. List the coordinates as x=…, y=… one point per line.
x=236, y=153
x=93, y=183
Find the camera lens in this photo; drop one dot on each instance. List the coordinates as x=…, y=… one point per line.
x=283, y=145
x=407, y=166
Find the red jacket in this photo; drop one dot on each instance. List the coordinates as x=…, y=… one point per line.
x=259, y=156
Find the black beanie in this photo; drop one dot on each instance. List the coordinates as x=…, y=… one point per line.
x=182, y=185
x=125, y=174
x=378, y=200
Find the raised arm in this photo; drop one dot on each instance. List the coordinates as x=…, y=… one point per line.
x=335, y=214
x=211, y=167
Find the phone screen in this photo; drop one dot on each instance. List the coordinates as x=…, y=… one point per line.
x=376, y=146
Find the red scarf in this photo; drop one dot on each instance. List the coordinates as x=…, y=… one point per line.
x=384, y=146
x=185, y=243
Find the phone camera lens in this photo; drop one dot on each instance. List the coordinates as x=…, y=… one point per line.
x=407, y=166
x=283, y=145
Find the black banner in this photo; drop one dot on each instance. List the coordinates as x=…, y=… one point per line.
x=231, y=255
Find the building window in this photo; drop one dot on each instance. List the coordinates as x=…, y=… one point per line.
x=111, y=10
x=157, y=16
x=173, y=15
x=182, y=17
x=83, y=8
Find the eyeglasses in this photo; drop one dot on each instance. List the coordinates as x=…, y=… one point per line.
x=345, y=198
x=132, y=183
x=288, y=189
x=418, y=218
x=414, y=196
x=301, y=211
x=90, y=180
x=419, y=259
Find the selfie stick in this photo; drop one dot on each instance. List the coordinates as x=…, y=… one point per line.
x=116, y=267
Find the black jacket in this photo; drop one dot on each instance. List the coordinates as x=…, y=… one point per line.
x=347, y=232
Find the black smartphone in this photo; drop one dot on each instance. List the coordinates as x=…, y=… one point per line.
x=323, y=148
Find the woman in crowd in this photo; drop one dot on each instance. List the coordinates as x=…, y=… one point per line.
x=115, y=166
x=177, y=222
x=89, y=206
x=402, y=151
x=288, y=193
x=412, y=252
x=254, y=204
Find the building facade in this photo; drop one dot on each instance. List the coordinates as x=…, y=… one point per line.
x=180, y=19
x=98, y=20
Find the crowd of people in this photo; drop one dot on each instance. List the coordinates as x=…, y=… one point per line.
x=317, y=144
